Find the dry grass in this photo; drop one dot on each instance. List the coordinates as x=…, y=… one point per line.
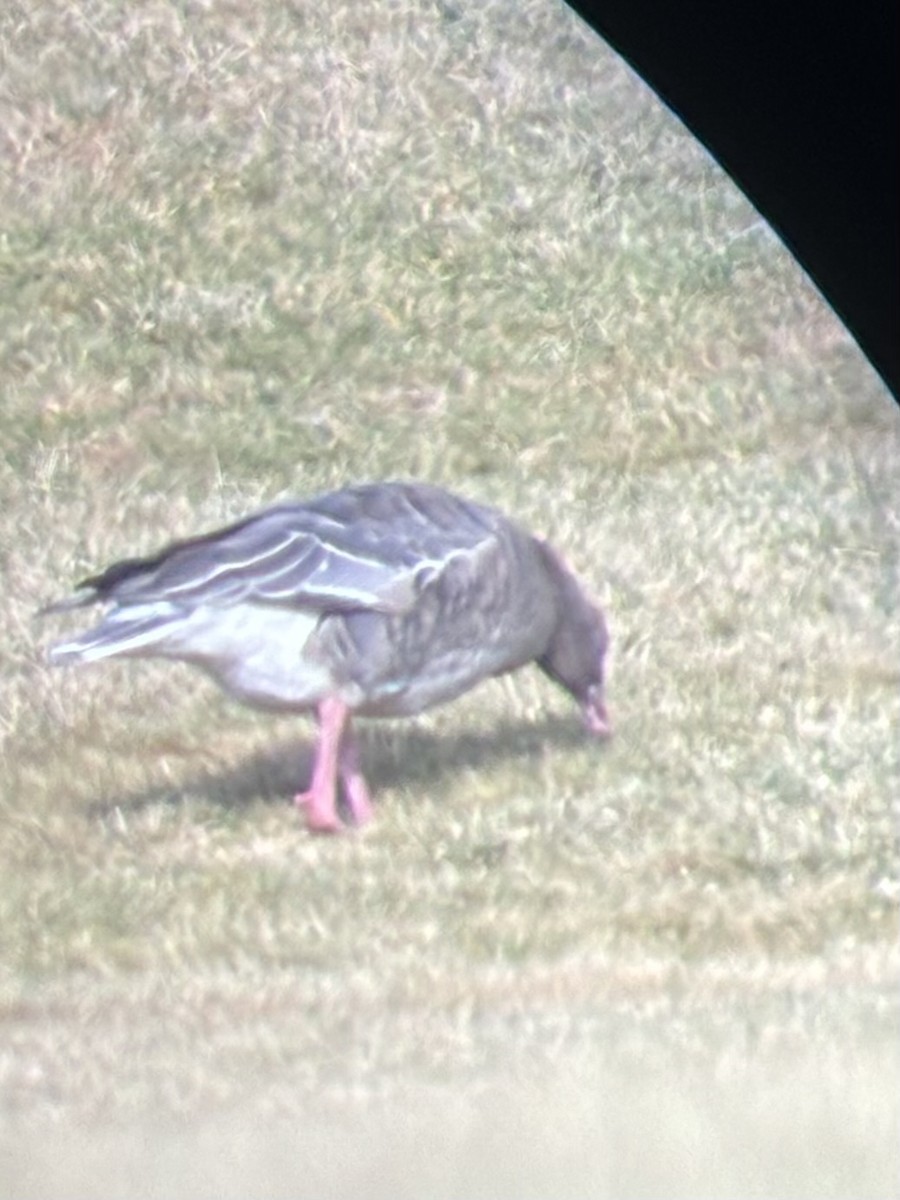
x=251, y=249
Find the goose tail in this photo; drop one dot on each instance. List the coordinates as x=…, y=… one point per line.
x=120, y=633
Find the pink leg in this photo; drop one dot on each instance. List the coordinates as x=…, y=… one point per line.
x=355, y=787
x=320, y=800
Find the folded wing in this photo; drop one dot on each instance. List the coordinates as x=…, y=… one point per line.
x=326, y=557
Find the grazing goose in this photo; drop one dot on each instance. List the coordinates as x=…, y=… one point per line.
x=381, y=599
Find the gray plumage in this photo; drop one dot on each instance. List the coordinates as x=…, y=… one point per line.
x=383, y=599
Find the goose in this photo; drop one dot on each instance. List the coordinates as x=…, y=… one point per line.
x=378, y=599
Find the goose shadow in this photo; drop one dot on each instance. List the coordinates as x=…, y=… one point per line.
x=392, y=756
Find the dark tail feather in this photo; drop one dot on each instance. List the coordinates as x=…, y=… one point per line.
x=79, y=599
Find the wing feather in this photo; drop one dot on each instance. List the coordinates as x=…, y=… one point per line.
x=370, y=547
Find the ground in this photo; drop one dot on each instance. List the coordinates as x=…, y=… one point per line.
x=257, y=250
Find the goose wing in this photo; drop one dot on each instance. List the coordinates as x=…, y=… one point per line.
x=371, y=547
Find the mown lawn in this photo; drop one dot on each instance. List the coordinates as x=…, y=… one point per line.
x=258, y=249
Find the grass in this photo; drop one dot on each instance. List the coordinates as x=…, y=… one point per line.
x=262, y=249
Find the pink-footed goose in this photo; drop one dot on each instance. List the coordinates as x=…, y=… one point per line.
x=380, y=599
